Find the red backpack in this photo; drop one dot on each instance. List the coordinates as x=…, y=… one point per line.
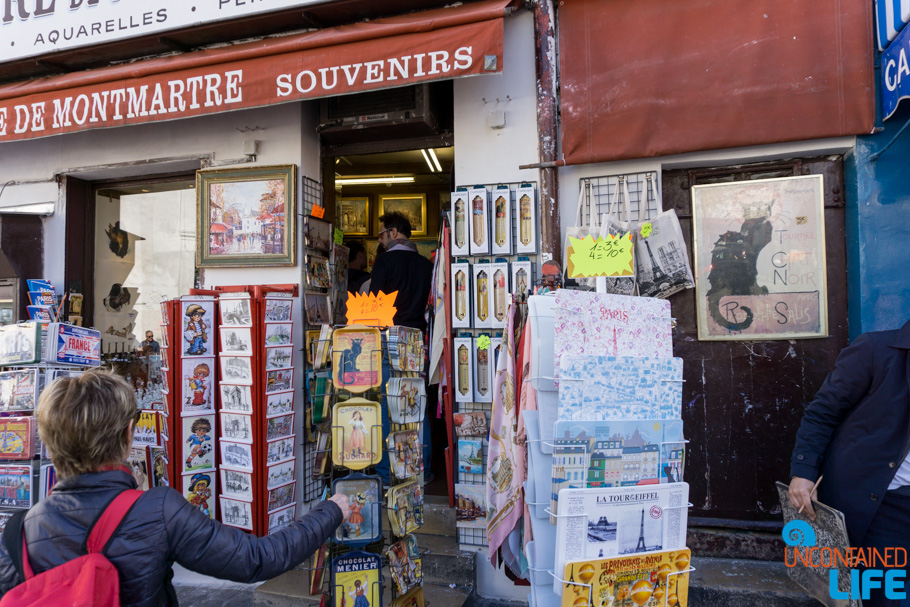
x=86, y=581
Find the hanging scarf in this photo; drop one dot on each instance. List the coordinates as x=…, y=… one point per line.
x=505, y=464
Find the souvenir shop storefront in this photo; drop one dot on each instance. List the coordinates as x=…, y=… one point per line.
x=108, y=168
x=129, y=225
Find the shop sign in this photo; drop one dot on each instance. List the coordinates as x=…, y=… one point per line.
x=19, y=344
x=890, y=18
x=72, y=345
x=254, y=78
x=895, y=73
x=36, y=27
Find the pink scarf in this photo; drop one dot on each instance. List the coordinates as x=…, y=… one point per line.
x=505, y=455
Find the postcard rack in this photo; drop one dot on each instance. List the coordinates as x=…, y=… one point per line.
x=334, y=467
x=26, y=472
x=472, y=269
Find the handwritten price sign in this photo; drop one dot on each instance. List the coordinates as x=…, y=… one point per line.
x=609, y=256
x=372, y=310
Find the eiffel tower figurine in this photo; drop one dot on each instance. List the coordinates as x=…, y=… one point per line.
x=641, y=534
x=658, y=273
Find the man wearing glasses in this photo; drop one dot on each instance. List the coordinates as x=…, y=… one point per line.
x=401, y=268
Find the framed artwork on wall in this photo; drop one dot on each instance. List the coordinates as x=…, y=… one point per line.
x=246, y=217
x=413, y=206
x=760, y=259
x=354, y=215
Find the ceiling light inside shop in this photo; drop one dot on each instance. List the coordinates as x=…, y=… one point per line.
x=427, y=158
x=368, y=180
x=435, y=159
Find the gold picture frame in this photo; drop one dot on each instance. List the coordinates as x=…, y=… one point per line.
x=353, y=215
x=246, y=217
x=414, y=206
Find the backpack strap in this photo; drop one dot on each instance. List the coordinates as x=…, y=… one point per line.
x=113, y=515
x=13, y=540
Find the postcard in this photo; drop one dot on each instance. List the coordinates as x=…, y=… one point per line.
x=356, y=578
x=145, y=432
x=318, y=308
x=619, y=521
x=278, y=309
x=18, y=437
x=356, y=434
x=238, y=399
x=236, y=369
x=317, y=272
x=471, y=506
x=199, y=491
x=196, y=385
x=236, y=341
x=280, y=474
x=279, y=403
x=237, y=484
x=405, y=503
x=279, y=334
x=237, y=513
x=659, y=579
x=405, y=453
x=279, y=357
x=18, y=389
x=365, y=523
x=197, y=323
x=235, y=311
x=470, y=455
x=281, y=426
x=404, y=564
x=198, y=443
x=356, y=359
x=281, y=496
x=237, y=427
x=279, y=450
x=472, y=423
x=282, y=518
x=16, y=488
x=237, y=455
x=279, y=380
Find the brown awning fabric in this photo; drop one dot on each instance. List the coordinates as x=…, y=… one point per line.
x=438, y=44
x=643, y=78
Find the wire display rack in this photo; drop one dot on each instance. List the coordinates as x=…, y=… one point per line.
x=600, y=192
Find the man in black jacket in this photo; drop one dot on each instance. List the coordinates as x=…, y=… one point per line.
x=856, y=432
x=401, y=268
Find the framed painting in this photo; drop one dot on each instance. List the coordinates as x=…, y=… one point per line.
x=354, y=215
x=413, y=206
x=760, y=259
x=246, y=217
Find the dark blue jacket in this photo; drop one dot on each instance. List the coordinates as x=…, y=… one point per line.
x=857, y=429
x=160, y=529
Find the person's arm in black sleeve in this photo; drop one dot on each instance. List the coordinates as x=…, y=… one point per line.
x=205, y=546
x=843, y=389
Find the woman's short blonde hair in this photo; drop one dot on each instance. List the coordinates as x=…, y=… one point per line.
x=83, y=421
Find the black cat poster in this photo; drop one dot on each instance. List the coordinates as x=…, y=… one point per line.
x=760, y=259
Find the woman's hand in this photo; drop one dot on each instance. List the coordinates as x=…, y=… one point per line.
x=342, y=500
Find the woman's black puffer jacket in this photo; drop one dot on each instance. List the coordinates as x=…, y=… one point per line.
x=160, y=529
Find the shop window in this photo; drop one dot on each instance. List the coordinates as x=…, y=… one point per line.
x=145, y=242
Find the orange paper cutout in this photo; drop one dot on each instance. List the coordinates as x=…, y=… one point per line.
x=372, y=310
x=318, y=212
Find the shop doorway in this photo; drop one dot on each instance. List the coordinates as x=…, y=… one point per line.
x=392, y=150
x=417, y=183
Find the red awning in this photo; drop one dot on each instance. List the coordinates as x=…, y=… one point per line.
x=438, y=44
x=643, y=78
x=219, y=227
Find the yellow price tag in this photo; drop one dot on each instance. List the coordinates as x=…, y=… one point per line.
x=602, y=257
x=646, y=229
x=483, y=342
